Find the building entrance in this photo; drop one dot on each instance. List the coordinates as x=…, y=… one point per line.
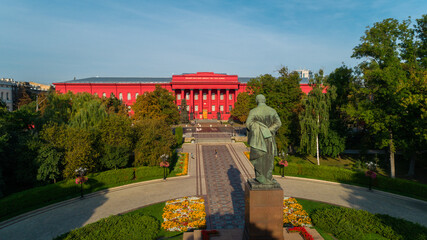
x=205, y=114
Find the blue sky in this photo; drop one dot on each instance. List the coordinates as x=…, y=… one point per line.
x=56, y=40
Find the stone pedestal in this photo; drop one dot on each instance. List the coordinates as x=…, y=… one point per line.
x=263, y=213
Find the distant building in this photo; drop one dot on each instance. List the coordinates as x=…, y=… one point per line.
x=305, y=75
x=208, y=95
x=7, y=91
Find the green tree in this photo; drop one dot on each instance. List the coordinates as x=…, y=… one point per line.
x=79, y=151
x=284, y=95
x=154, y=139
x=314, y=119
x=88, y=112
x=241, y=108
x=159, y=105
x=392, y=92
x=50, y=161
x=114, y=105
x=184, y=111
x=116, y=141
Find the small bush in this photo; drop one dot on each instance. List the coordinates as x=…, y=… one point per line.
x=132, y=226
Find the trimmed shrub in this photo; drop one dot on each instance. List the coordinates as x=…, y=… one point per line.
x=347, y=223
x=178, y=135
x=132, y=226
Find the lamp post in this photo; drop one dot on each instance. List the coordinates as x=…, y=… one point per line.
x=81, y=179
x=164, y=164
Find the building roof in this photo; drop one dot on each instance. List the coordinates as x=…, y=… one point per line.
x=122, y=80
x=134, y=80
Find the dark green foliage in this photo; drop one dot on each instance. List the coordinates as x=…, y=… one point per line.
x=50, y=162
x=154, y=139
x=114, y=157
x=284, y=95
x=132, y=226
x=184, y=111
x=178, y=135
x=332, y=144
x=346, y=223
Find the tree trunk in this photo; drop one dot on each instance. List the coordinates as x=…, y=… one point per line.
x=392, y=150
x=317, y=141
x=317, y=146
x=411, y=171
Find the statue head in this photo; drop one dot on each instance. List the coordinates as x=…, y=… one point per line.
x=260, y=99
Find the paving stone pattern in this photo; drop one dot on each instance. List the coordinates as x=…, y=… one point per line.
x=225, y=195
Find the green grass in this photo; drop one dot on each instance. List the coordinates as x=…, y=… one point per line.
x=154, y=211
x=300, y=168
x=25, y=201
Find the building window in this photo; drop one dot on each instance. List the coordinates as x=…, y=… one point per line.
x=178, y=96
x=104, y=94
x=204, y=96
x=188, y=108
x=221, y=108
x=196, y=108
x=230, y=108
x=7, y=96
x=120, y=96
x=230, y=96
x=213, y=96
x=129, y=97
x=187, y=96
x=221, y=96
x=213, y=108
x=196, y=96
x=136, y=95
x=1, y=95
x=96, y=94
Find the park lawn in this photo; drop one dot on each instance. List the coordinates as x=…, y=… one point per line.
x=34, y=198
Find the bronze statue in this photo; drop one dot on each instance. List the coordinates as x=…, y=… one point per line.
x=263, y=123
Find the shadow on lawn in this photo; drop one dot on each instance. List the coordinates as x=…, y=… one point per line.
x=55, y=219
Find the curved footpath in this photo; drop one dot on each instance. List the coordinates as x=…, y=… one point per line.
x=53, y=220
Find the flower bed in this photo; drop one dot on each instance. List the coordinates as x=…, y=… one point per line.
x=184, y=214
x=293, y=214
x=183, y=161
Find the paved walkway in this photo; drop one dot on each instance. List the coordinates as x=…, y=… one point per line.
x=56, y=219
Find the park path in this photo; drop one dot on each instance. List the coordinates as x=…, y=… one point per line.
x=56, y=219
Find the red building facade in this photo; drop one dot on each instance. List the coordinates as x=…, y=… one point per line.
x=208, y=95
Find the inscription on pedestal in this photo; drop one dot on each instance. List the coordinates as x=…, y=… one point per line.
x=263, y=213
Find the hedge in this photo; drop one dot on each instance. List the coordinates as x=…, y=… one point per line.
x=347, y=223
x=342, y=175
x=34, y=198
x=133, y=226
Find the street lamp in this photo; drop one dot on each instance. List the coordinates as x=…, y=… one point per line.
x=164, y=164
x=81, y=179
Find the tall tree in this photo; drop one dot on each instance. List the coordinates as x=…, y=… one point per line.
x=241, y=108
x=154, y=139
x=314, y=119
x=393, y=83
x=159, y=104
x=284, y=95
x=116, y=141
x=184, y=111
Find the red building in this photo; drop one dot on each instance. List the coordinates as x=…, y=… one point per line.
x=209, y=95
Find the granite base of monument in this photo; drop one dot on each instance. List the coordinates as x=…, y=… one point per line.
x=263, y=212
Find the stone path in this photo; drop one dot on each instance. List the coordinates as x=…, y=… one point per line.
x=225, y=195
